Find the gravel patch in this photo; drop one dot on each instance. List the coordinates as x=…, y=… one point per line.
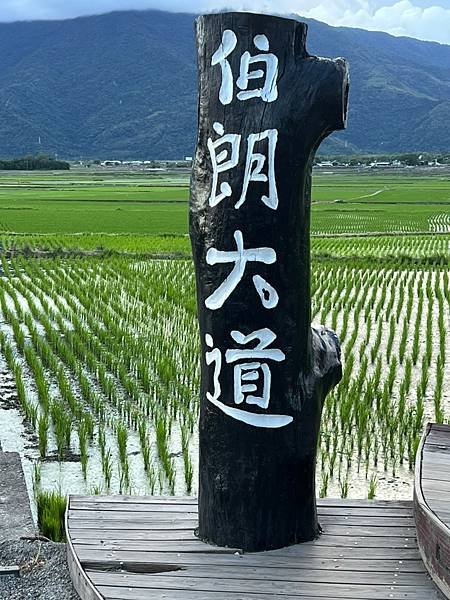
x=44, y=571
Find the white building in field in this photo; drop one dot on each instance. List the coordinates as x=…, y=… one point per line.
x=382, y=164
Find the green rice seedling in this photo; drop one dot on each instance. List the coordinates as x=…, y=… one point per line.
x=372, y=487
x=51, y=508
x=62, y=424
x=83, y=445
x=101, y=440
x=107, y=468
x=392, y=374
x=392, y=331
x=403, y=341
x=43, y=435
x=376, y=346
x=424, y=376
x=323, y=490
x=37, y=474
x=344, y=488
x=437, y=397
x=417, y=330
x=122, y=442
x=162, y=442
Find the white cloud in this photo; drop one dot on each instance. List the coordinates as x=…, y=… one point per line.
x=423, y=19
x=401, y=18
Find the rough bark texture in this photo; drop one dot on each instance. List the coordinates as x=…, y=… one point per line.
x=257, y=483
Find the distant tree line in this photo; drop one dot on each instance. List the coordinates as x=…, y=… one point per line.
x=34, y=163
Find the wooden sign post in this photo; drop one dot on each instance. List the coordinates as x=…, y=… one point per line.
x=264, y=107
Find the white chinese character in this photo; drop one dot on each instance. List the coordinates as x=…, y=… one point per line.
x=229, y=41
x=223, y=161
x=228, y=158
x=240, y=258
x=268, y=92
x=248, y=372
x=214, y=356
x=254, y=165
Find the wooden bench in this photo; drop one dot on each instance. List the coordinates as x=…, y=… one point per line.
x=432, y=503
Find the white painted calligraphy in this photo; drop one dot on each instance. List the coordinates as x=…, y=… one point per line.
x=240, y=258
x=246, y=376
x=229, y=41
x=222, y=161
x=249, y=371
x=268, y=92
x=214, y=356
x=255, y=163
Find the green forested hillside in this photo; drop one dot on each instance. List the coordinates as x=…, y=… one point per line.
x=123, y=85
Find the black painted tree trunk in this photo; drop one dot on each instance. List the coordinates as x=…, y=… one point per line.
x=264, y=107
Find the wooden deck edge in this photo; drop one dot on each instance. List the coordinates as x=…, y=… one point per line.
x=433, y=536
x=81, y=582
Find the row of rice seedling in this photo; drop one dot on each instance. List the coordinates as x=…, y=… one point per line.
x=408, y=249
x=112, y=346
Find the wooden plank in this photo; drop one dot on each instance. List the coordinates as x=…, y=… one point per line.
x=107, y=536
x=113, y=593
x=363, y=510
x=443, y=516
x=150, y=507
x=358, y=502
x=430, y=485
x=85, y=529
x=437, y=498
x=362, y=521
x=136, y=499
x=431, y=476
x=9, y=570
x=133, y=515
x=175, y=546
x=302, y=552
x=142, y=543
x=274, y=575
x=440, y=461
x=266, y=560
x=316, y=589
x=125, y=525
x=322, y=502
x=433, y=448
x=436, y=472
x=440, y=427
x=80, y=581
x=185, y=520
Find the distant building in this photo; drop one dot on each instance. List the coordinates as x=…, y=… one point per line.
x=382, y=164
x=111, y=163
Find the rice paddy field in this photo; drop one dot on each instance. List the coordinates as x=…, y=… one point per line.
x=99, y=349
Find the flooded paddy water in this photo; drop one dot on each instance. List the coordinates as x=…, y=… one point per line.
x=112, y=344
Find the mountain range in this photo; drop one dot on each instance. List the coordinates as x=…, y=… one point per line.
x=123, y=85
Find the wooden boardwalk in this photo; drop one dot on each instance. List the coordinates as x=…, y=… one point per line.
x=432, y=503
x=15, y=511
x=133, y=548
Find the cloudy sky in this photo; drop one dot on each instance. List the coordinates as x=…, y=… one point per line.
x=423, y=19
